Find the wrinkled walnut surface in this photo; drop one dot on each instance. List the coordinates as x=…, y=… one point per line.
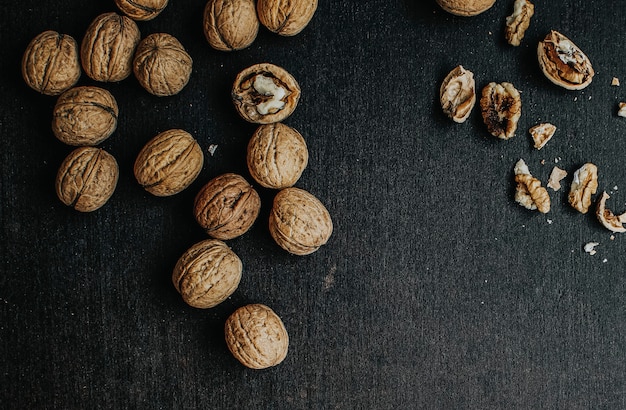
x=466, y=8
x=501, y=108
x=457, y=94
x=518, y=22
x=529, y=193
x=286, y=17
x=541, y=134
x=141, y=10
x=612, y=222
x=230, y=24
x=563, y=63
x=584, y=185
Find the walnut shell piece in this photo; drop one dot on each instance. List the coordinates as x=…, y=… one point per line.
x=277, y=155
x=466, y=8
x=161, y=64
x=256, y=336
x=230, y=24
x=529, y=193
x=563, y=63
x=227, y=206
x=84, y=115
x=50, y=64
x=207, y=274
x=299, y=222
x=108, y=46
x=457, y=94
x=265, y=93
x=584, y=185
x=518, y=22
x=169, y=163
x=87, y=178
x=286, y=17
x=141, y=10
x=501, y=108
x=612, y=222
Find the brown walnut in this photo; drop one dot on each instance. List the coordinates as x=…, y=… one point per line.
x=563, y=63
x=457, y=94
x=141, y=10
x=230, y=24
x=286, y=17
x=87, y=178
x=466, y=8
x=501, y=108
x=50, y=64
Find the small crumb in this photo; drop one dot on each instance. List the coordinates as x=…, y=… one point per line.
x=543, y=162
x=575, y=98
x=212, y=149
x=615, y=82
x=612, y=237
x=622, y=110
x=590, y=247
x=556, y=176
x=557, y=159
x=549, y=221
x=615, y=188
x=605, y=260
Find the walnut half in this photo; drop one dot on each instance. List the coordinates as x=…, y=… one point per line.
x=563, y=62
x=610, y=221
x=501, y=108
x=518, y=22
x=458, y=94
x=584, y=184
x=529, y=193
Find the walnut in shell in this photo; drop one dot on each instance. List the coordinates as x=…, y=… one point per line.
x=87, y=178
x=256, y=336
x=84, y=116
x=108, y=47
x=501, y=108
x=227, y=206
x=518, y=22
x=207, y=274
x=286, y=17
x=277, y=155
x=265, y=93
x=529, y=193
x=230, y=24
x=466, y=8
x=563, y=63
x=169, y=163
x=141, y=10
x=50, y=64
x=612, y=222
x=161, y=65
x=584, y=185
x=458, y=94
x=299, y=222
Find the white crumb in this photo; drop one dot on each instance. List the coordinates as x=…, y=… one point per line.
x=590, y=247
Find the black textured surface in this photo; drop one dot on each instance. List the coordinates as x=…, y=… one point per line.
x=436, y=290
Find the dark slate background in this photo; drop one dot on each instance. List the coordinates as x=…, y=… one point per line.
x=436, y=289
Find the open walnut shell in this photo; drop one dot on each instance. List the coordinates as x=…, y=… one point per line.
x=457, y=94
x=563, y=63
x=612, y=222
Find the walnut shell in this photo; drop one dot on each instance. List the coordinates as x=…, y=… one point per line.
x=207, y=274
x=141, y=10
x=256, y=336
x=161, y=64
x=169, y=163
x=50, y=64
x=84, y=116
x=265, y=93
x=466, y=8
x=108, y=47
x=286, y=17
x=277, y=155
x=230, y=24
x=563, y=63
x=227, y=206
x=299, y=222
x=87, y=178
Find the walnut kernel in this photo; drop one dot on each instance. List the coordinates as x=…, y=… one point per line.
x=141, y=10
x=563, y=63
x=556, y=176
x=584, y=185
x=230, y=24
x=466, y=8
x=518, y=22
x=286, y=18
x=612, y=222
x=529, y=193
x=541, y=134
x=622, y=109
x=501, y=108
x=457, y=94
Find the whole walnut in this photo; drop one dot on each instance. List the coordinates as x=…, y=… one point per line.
x=466, y=8
x=108, y=47
x=227, y=206
x=169, y=163
x=277, y=155
x=230, y=24
x=141, y=10
x=286, y=17
x=256, y=336
x=87, y=178
x=207, y=274
x=161, y=64
x=50, y=64
x=299, y=222
x=84, y=116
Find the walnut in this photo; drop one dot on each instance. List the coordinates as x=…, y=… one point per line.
x=108, y=47
x=277, y=155
x=230, y=24
x=161, y=65
x=299, y=222
x=169, y=163
x=501, y=108
x=622, y=109
x=207, y=274
x=518, y=22
x=458, y=94
x=584, y=184
x=87, y=178
x=563, y=63
x=50, y=64
x=465, y=8
x=84, y=116
x=556, y=176
x=541, y=134
x=227, y=206
x=286, y=17
x=529, y=193
x=141, y=10
x=612, y=222
x=265, y=93
x=256, y=336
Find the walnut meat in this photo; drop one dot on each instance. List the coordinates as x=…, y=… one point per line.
x=299, y=222
x=84, y=116
x=518, y=22
x=169, y=163
x=529, y=193
x=458, y=94
x=87, y=178
x=227, y=206
x=563, y=63
x=277, y=155
x=256, y=336
x=108, y=47
x=541, y=134
x=161, y=65
x=207, y=274
x=501, y=108
x=141, y=10
x=466, y=8
x=50, y=64
x=612, y=222
x=230, y=24
x=265, y=93
x=286, y=17
x=584, y=185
